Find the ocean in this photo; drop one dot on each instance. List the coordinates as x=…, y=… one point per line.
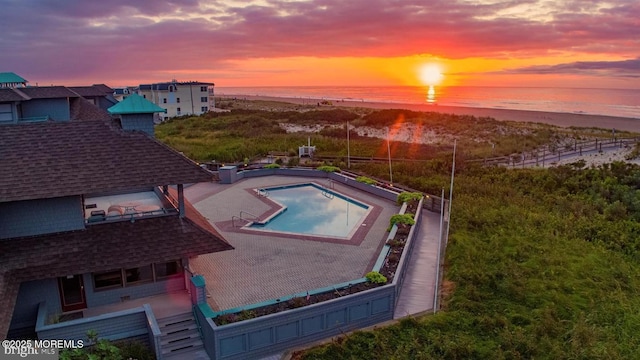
x=611, y=102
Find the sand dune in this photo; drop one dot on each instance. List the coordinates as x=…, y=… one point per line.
x=558, y=119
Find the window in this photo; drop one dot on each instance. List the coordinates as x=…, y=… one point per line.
x=204, y=109
x=167, y=269
x=204, y=99
x=178, y=110
x=171, y=89
x=203, y=88
x=139, y=275
x=107, y=279
x=164, y=100
x=178, y=100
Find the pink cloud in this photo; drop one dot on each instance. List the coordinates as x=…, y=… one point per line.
x=42, y=37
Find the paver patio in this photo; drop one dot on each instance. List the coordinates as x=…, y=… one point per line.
x=265, y=266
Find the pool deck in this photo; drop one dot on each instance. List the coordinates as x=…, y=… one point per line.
x=269, y=266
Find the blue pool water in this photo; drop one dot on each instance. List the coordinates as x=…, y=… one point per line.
x=312, y=210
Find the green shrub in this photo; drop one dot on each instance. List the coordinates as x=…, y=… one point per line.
x=96, y=349
x=272, y=166
x=376, y=278
x=135, y=350
x=408, y=196
x=246, y=315
x=226, y=319
x=328, y=168
x=401, y=219
x=298, y=302
x=365, y=180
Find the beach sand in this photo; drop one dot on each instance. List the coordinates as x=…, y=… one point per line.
x=552, y=118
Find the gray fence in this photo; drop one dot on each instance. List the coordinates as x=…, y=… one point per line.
x=139, y=324
x=548, y=155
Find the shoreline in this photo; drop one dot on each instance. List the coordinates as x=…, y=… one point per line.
x=545, y=117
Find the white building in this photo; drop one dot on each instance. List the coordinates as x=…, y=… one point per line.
x=180, y=98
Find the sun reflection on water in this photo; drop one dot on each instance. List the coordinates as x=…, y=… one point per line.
x=431, y=95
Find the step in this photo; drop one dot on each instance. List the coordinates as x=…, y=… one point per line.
x=178, y=336
x=195, y=353
x=181, y=345
x=176, y=319
x=171, y=329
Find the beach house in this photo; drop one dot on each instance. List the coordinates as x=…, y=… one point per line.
x=180, y=98
x=91, y=215
x=21, y=103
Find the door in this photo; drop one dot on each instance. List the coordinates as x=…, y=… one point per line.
x=72, y=293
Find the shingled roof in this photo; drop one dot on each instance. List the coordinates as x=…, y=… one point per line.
x=7, y=94
x=48, y=92
x=54, y=159
x=101, y=247
x=89, y=91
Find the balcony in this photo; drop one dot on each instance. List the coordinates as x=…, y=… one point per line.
x=120, y=207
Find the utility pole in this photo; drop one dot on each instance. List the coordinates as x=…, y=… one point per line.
x=453, y=172
x=348, y=149
x=389, y=151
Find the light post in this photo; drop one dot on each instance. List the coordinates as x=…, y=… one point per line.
x=389, y=151
x=453, y=172
x=348, y=149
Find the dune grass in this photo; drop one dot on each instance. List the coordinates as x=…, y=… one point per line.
x=542, y=263
x=241, y=133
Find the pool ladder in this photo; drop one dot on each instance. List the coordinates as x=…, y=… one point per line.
x=233, y=218
x=262, y=192
x=327, y=194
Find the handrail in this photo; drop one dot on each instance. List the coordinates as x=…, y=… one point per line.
x=327, y=194
x=233, y=224
x=331, y=184
x=246, y=212
x=548, y=153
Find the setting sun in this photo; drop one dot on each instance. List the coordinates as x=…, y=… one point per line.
x=430, y=74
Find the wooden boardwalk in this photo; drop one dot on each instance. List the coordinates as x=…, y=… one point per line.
x=419, y=284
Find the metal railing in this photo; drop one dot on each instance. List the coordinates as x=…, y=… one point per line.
x=233, y=218
x=550, y=154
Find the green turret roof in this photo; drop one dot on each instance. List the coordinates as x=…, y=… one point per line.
x=135, y=104
x=11, y=78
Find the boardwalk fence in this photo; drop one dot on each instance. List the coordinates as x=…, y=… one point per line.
x=549, y=155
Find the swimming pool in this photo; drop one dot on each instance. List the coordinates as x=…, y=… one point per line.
x=312, y=210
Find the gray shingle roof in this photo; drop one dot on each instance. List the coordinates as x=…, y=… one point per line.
x=48, y=92
x=99, y=248
x=7, y=95
x=52, y=159
x=89, y=91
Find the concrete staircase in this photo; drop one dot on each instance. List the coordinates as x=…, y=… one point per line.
x=180, y=338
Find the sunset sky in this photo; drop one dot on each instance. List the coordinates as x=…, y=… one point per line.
x=570, y=43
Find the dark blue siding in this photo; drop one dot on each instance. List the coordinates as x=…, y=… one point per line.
x=56, y=109
x=42, y=216
x=142, y=122
x=30, y=295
